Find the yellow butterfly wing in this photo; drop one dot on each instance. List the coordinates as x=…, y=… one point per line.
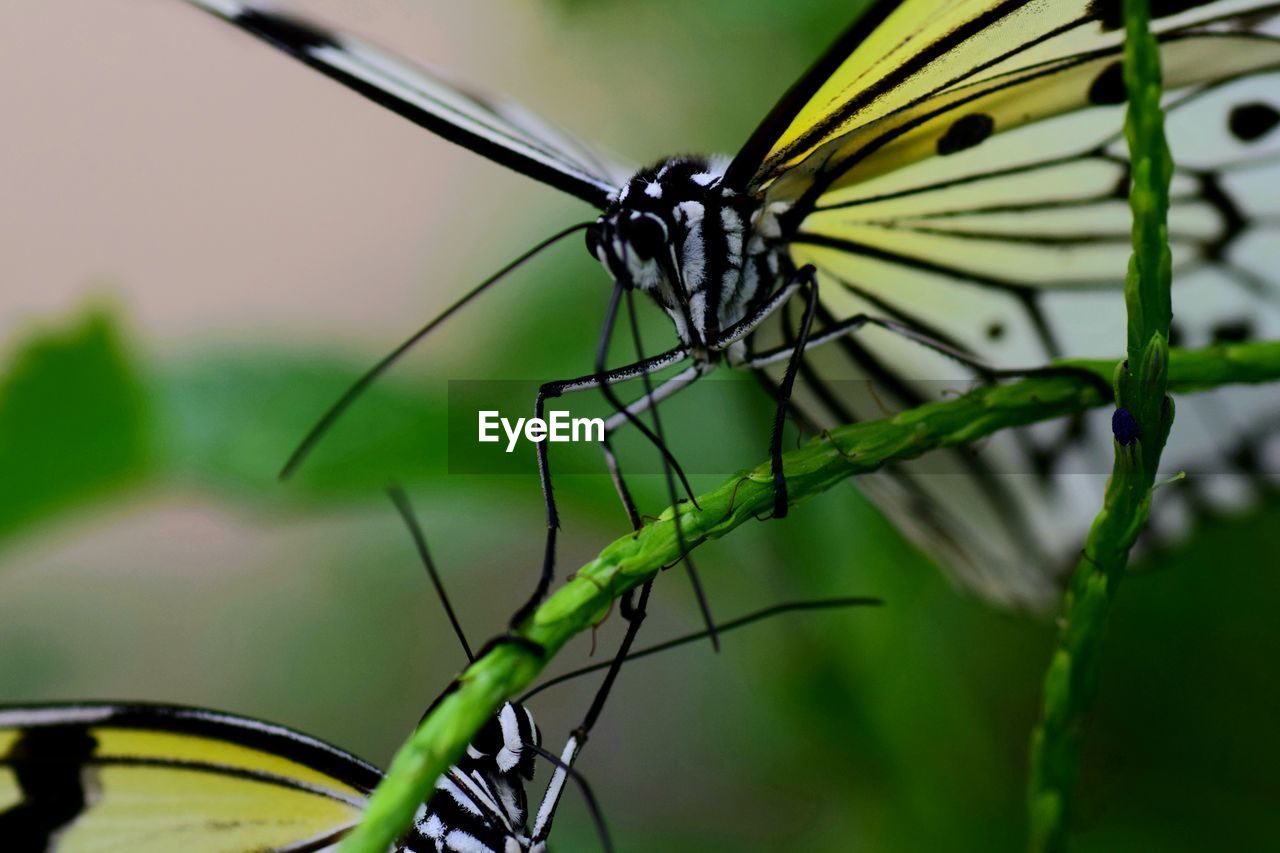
x=939, y=76
x=163, y=778
x=1009, y=241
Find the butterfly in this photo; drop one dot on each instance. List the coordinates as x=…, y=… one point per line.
x=164, y=777
x=142, y=776
x=941, y=197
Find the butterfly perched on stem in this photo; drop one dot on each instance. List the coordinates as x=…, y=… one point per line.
x=941, y=197
x=151, y=777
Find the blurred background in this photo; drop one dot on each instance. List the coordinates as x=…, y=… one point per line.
x=203, y=243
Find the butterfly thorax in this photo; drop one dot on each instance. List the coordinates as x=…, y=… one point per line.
x=703, y=252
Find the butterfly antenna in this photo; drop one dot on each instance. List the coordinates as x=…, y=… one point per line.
x=357, y=388
x=723, y=627
x=401, y=500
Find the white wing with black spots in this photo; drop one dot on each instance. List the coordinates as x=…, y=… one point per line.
x=1014, y=251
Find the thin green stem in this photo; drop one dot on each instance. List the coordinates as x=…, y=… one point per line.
x=506, y=670
x=1142, y=422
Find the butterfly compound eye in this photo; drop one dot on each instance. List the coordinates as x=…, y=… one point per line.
x=593, y=241
x=646, y=236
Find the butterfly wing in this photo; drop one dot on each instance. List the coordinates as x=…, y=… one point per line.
x=940, y=76
x=1013, y=249
x=1014, y=252
x=162, y=778
x=492, y=127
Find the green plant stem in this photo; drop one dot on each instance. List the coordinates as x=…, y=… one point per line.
x=506, y=670
x=1141, y=382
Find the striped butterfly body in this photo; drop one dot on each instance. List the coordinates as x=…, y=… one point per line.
x=146, y=777
x=707, y=255
x=943, y=193
x=480, y=803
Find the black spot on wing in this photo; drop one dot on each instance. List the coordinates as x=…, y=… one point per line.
x=995, y=331
x=1122, y=184
x=1232, y=331
x=1111, y=12
x=1043, y=462
x=1251, y=122
x=1108, y=86
x=966, y=132
x=292, y=34
x=48, y=763
x=1245, y=458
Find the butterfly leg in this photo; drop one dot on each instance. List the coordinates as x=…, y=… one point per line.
x=685, y=557
x=620, y=484
x=667, y=389
x=630, y=414
x=552, y=390
x=564, y=768
x=603, y=380
x=650, y=400
x=808, y=276
x=752, y=321
x=852, y=325
x=643, y=404
x=984, y=371
x=804, y=278
x=577, y=739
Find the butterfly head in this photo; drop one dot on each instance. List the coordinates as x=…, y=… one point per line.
x=635, y=247
x=672, y=232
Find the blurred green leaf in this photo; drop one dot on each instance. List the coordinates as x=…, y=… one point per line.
x=80, y=421
x=73, y=421
x=231, y=419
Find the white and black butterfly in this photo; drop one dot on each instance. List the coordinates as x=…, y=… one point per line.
x=150, y=777
x=140, y=776
x=945, y=192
